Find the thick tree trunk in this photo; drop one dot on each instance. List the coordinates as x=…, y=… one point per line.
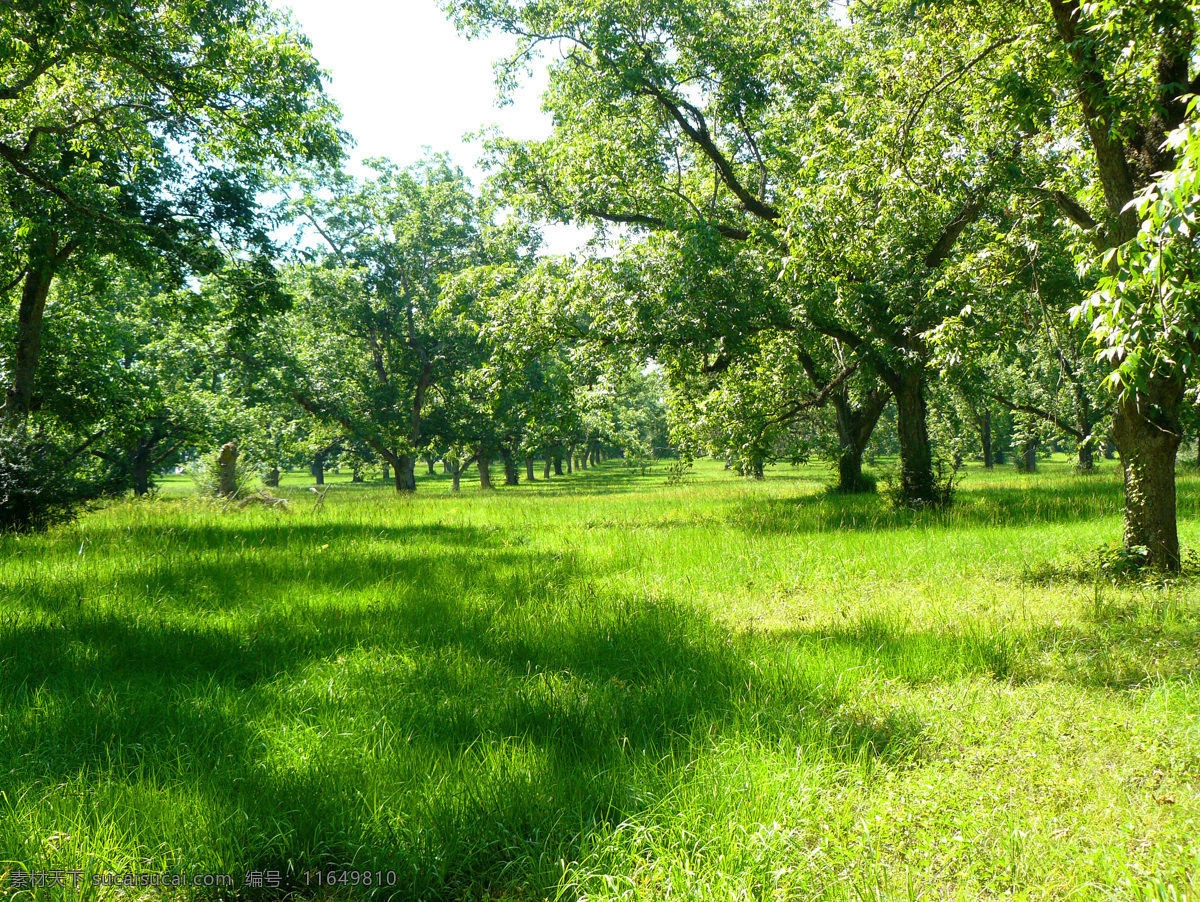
x=1147, y=432
x=570, y=459
x=510, y=469
x=30, y=316
x=484, y=462
x=583, y=460
x=406, y=473
x=558, y=471
x=529, y=469
x=271, y=480
x=227, y=470
x=429, y=463
x=139, y=469
x=917, y=488
x=756, y=468
x=546, y=468
x=456, y=479
x=318, y=467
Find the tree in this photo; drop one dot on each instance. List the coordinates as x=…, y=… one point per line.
x=760, y=125
x=380, y=327
x=138, y=130
x=1097, y=87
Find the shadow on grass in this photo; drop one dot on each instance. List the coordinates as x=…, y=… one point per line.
x=440, y=715
x=1070, y=500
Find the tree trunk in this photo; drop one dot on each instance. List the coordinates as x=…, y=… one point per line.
x=139, y=468
x=1147, y=432
x=456, y=478
x=529, y=469
x=855, y=423
x=583, y=460
x=356, y=475
x=917, y=488
x=570, y=459
x=271, y=480
x=30, y=316
x=386, y=472
x=227, y=470
x=510, y=468
x=484, y=461
x=429, y=463
x=558, y=471
x=318, y=467
x=1030, y=456
x=985, y=439
x=546, y=468
x=406, y=473
x=756, y=468
x=446, y=468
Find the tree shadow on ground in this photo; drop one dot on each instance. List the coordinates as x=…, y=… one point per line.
x=1084, y=498
x=466, y=712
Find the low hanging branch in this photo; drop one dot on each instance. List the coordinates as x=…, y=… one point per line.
x=1041, y=414
x=817, y=400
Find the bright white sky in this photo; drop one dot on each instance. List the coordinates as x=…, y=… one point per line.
x=405, y=80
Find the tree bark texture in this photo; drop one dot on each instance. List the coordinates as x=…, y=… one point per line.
x=917, y=488
x=1148, y=433
x=30, y=316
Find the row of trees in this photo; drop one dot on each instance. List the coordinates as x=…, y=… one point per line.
x=837, y=206
x=818, y=218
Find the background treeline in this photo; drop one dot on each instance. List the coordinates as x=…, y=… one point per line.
x=943, y=229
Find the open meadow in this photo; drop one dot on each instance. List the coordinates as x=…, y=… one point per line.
x=606, y=687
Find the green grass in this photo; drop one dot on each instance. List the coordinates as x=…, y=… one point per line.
x=605, y=687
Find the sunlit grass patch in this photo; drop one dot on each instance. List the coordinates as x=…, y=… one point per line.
x=607, y=687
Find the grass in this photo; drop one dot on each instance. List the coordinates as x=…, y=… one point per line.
x=604, y=687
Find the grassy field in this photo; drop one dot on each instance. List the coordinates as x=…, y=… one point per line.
x=605, y=687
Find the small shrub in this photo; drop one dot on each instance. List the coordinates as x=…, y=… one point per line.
x=205, y=472
x=39, y=485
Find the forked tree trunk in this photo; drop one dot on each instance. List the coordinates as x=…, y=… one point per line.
x=529, y=469
x=1147, y=433
x=855, y=423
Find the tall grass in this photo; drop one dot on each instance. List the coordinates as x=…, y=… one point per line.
x=605, y=687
